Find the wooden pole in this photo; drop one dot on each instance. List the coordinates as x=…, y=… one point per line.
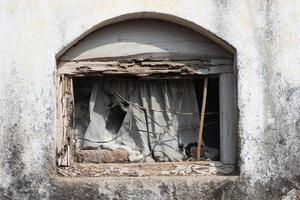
x=202, y=118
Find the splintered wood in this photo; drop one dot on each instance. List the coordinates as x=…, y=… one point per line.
x=66, y=103
x=197, y=168
x=145, y=68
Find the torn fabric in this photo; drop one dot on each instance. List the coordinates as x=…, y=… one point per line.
x=151, y=119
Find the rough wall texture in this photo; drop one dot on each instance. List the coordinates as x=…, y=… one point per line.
x=266, y=36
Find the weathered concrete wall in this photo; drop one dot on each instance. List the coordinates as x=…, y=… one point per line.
x=266, y=36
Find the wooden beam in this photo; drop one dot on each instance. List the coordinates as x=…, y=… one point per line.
x=202, y=117
x=66, y=108
x=227, y=92
x=136, y=68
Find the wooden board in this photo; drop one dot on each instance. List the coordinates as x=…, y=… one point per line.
x=145, y=36
x=227, y=90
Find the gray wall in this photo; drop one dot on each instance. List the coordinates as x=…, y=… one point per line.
x=266, y=37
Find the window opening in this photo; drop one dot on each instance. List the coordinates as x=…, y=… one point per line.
x=152, y=120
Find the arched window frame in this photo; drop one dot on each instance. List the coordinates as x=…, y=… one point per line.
x=223, y=68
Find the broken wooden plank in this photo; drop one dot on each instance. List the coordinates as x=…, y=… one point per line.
x=144, y=68
x=66, y=105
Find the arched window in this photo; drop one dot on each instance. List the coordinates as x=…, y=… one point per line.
x=145, y=91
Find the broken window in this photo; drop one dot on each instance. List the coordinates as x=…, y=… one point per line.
x=124, y=100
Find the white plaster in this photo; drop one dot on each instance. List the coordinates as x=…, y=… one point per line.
x=264, y=33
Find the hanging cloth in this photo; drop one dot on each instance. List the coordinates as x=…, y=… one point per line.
x=151, y=119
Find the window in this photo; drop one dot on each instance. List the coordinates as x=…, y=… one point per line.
x=146, y=91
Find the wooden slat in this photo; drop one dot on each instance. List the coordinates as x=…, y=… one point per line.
x=227, y=90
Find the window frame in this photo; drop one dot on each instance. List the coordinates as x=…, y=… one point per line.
x=223, y=68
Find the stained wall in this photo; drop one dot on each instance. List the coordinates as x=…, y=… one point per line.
x=265, y=37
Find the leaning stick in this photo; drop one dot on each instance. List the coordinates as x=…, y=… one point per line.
x=202, y=118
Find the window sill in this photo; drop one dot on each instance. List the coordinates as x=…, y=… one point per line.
x=194, y=168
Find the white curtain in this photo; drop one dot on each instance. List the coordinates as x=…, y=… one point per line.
x=151, y=119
